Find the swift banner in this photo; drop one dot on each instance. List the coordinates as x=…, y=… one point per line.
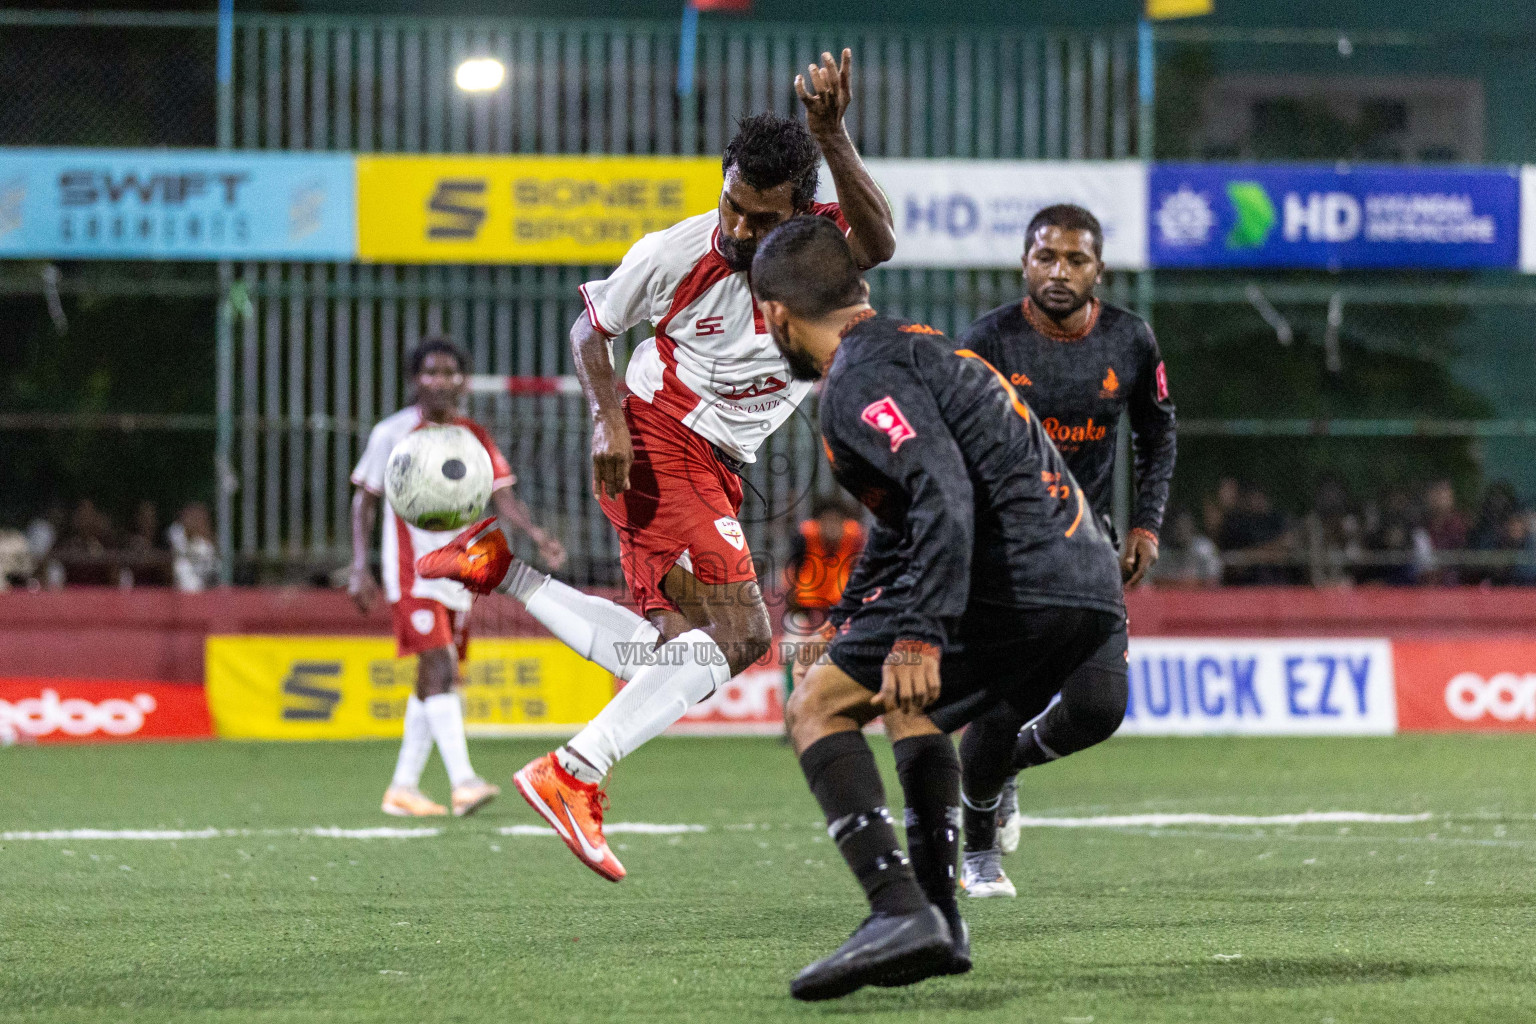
x=175, y=204
x=972, y=213
x=1337, y=218
x=322, y=688
x=1302, y=687
x=537, y=209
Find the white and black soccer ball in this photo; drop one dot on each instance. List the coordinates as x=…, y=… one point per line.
x=439, y=478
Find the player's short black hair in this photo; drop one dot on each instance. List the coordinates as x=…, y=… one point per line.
x=437, y=343
x=768, y=150
x=1068, y=217
x=806, y=264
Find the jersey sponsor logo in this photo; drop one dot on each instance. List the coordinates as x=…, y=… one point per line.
x=1068, y=433
x=886, y=416
x=1162, y=382
x=730, y=529
x=706, y=326
x=1111, y=385
x=1021, y=380
x=422, y=620
x=755, y=390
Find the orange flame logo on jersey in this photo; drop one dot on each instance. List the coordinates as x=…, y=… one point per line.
x=1111, y=386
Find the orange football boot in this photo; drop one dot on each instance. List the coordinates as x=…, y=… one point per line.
x=478, y=558
x=574, y=808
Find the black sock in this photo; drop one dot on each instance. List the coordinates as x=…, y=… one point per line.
x=930, y=781
x=1091, y=707
x=842, y=774
x=986, y=758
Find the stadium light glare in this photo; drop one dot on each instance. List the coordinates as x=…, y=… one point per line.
x=480, y=74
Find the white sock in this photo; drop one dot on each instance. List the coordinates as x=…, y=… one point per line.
x=595, y=628
x=415, y=746
x=688, y=670
x=445, y=712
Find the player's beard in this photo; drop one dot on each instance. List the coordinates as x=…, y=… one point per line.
x=738, y=255
x=801, y=364
x=1057, y=305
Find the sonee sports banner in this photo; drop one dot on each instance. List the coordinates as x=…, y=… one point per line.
x=325, y=688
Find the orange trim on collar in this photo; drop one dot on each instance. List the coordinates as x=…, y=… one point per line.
x=858, y=318
x=1048, y=327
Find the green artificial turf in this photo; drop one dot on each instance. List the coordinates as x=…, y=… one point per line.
x=1430, y=921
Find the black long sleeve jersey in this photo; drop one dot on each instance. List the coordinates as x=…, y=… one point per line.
x=1080, y=387
x=971, y=500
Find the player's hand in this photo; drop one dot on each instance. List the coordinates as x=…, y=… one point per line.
x=551, y=551
x=909, y=681
x=612, y=455
x=825, y=91
x=1139, y=555
x=363, y=588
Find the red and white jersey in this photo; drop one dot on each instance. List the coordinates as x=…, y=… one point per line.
x=712, y=363
x=404, y=543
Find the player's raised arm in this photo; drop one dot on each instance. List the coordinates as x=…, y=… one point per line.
x=826, y=91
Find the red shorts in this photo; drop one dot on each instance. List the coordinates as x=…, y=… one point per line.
x=422, y=625
x=681, y=505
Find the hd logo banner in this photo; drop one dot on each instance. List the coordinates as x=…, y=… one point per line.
x=1298, y=687
x=175, y=204
x=555, y=209
x=1336, y=218
x=325, y=688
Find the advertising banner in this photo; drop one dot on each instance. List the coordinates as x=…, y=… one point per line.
x=1466, y=685
x=175, y=204
x=535, y=209
x=1528, y=219
x=1303, y=687
x=94, y=711
x=320, y=688
x=972, y=213
x=1336, y=218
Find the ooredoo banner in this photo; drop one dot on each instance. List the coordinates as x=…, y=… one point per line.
x=1466, y=685
x=1302, y=687
x=319, y=688
x=93, y=711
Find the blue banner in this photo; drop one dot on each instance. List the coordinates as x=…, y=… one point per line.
x=176, y=204
x=1336, y=218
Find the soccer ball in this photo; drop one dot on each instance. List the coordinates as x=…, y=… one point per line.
x=438, y=478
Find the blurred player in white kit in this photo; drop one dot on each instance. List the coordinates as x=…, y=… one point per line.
x=431, y=616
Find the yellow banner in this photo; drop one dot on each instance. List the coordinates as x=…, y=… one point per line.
x=1159, y=10
x=333, y=688
x=534, y=209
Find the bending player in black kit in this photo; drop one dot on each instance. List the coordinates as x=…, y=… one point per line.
x=1080, y=364
x=986, y=578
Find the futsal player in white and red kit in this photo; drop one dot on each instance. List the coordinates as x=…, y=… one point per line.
x=703, y=394
x=431, y=616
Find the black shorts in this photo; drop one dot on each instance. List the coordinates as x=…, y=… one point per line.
x=994, y=654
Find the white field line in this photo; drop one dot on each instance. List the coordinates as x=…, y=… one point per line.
x=1170, y=820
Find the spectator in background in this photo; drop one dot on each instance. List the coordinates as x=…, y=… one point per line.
x=146, y=560
x=1217, y=507
x=1260, y=533
x=1446, y=527
x=1333, y=533
x=1488, y=531
x=87, y=550
x=42, y=535
x=1398, y=546
x=16, y=562
x=1191, y=560
x=195, y=566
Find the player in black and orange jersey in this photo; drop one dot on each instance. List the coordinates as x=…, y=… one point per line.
x=986, y=578
x=822, y=554
x=1081, y=364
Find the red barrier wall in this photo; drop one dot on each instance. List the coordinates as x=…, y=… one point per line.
x=99, y=633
